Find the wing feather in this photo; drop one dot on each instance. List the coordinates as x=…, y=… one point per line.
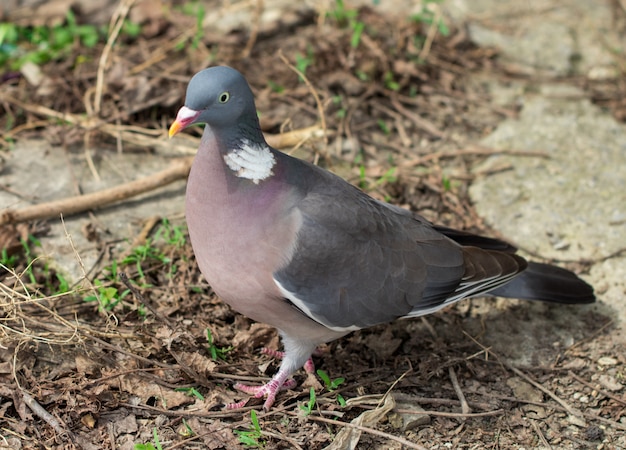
x=358, y=262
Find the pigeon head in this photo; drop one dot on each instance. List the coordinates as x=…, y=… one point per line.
x=219, y=97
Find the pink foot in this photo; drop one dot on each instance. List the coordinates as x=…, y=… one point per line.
x=268, y=390
x=259, y=392
x=279, y=382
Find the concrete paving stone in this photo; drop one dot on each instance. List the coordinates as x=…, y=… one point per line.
x=40, y=173
x=571, y=205
x=563, y=37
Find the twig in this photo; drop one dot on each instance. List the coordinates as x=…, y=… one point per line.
x=465, y=409
x=177, y=171
x=429, y=327
x=81, y=203
x=420, y=122
x=602, y=391
x=566, y=407
x=44, y=415
x=610, y=422
x=117, y=348
x=406, y=372
x=369, y=430
x=77, y=256
x=495, y=412
x=320, y=108
x=572, y=411
x=254, y=30
x=438, y=401
x=540, y=434
x=587, y=415
x=588, y=261
x=295, y=137
x=124, y=278
x=432, y=32
x=118, y=21
x=521, y=374
x=150, y=137
x=161, y=51
x=292, y=442
x=181, y=413
x=471, y=151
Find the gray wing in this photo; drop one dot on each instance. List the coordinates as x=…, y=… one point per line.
x=359, y=262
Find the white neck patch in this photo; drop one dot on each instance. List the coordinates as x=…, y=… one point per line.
x=251, y=161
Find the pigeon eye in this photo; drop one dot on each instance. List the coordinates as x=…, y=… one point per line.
x=224, y=97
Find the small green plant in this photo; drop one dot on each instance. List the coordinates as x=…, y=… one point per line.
x=149, y=446
x=29, y=254
x=7, y=260
x=216, y=352
x=170, y=234
x=447, y=183
x=36, y=270
x=188, y=431
x=363, y=184
x=191, y=391
x=309, y=406
x=41, y=44
x=141, y=253
x=388, y=177
x=62, y=284
x=428, y=16
x=383, y=126
x=390, y=83
x=252, y=437
x=131, y=29
x=108, y=297
x=361, y=75
x=331, y=385
x=196, y=10
x=357, y=31
x=152, y=249
x=275, y=87
x=338, y=100
x=303, y=62
x=342, y=15
x=348, y=18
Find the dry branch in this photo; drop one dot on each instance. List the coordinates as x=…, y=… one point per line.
x=137, y=136
x=80, y=203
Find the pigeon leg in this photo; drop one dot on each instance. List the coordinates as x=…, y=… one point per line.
x=297, y=354
x=309, y=366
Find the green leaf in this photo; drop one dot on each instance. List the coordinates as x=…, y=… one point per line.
x=131, y=29
x=357, y=31
x=310, y=405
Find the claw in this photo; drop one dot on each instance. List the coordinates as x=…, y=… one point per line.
x=237, y=405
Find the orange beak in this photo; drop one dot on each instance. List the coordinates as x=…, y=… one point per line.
x=184, y=118
x=175, y=128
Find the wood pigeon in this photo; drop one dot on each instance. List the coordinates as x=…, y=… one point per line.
x=292, y=245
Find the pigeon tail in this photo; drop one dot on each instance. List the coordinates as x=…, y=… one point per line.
x=547, y=283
